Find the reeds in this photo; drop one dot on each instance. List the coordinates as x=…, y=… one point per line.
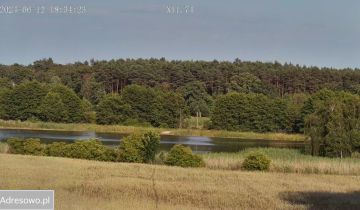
x=286, y=161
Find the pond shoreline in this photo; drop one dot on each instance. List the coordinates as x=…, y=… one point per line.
x=198, y=144
x=119, y=129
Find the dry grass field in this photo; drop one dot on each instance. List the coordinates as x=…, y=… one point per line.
x=82, y=184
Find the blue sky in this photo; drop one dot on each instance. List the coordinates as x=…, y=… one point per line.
x=306, y=32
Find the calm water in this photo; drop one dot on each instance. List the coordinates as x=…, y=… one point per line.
x=198, y=144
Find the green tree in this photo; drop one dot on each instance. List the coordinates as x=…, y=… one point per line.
x=23, y=101
x=92, y=90
x=294, y=110
x=53, y=109
x=334, y=126
x=246, y=83
x=309, y=106
x=5, y=83
x=19, y=74
x=88, y=109
x=142, y=101
x=169, y=110
x=74, y=105
x=4, y=94
x=113, y=110
x=253, y=112
x=196, y=98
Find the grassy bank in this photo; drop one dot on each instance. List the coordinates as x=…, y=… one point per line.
x=167, y=131
x=81, y=184
x=286, y=160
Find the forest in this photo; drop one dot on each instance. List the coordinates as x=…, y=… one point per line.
x=238, y=95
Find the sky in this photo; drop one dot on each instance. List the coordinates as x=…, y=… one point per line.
x=305, y=32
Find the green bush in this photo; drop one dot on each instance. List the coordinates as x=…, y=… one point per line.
x=56, y=149
x=151, y=142
x=16, y=145
x=91, y=149
x=33, y=147
x=139, y=147
x=110, y=154
x=26, y=147
x=129, y=150
x=256, y=161
x=182, y=156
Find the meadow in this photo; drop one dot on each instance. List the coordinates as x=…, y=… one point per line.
x=82, y=184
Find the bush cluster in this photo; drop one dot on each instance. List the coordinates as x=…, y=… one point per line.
x=139, y=147
x=28, y=147
x=256, y=161
x=182, y=156
x=90, y=149
x=135, y=148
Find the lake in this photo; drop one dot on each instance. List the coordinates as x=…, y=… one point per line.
x=198, y=144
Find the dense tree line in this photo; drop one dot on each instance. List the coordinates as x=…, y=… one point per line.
x=252, y=112
x=95, y=78
x=58, y=103
x=237, y=95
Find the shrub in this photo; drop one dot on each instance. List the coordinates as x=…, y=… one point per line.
x=110, y=154
x=129, y=150
x=56, y=149
x=256, y=161
x=16, y=145
x=33, y=147
x=139, y=147
x=26, y=147
x=91, y=149
x=151, y=142
x=182, y=156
